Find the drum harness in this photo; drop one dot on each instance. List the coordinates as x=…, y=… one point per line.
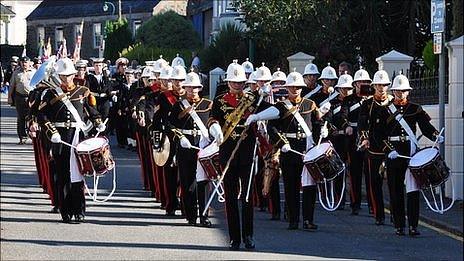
x=85, y=129
x=311, y=93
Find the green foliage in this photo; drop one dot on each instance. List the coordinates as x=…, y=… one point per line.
x=168, y=30
x=430, y=59
x=144, y=53
x=118, y=37
x=227, y=45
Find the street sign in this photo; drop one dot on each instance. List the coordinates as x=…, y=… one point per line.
x=437, y=43
x=437, y=16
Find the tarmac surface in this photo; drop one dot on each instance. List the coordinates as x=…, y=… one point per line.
x=131, y=226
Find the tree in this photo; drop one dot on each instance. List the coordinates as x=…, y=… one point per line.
x=118, y=37
x=168, y=30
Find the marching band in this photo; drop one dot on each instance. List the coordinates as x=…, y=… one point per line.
x=322, y=132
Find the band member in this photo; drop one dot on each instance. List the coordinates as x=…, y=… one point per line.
x=373, y=117
x=337, y=130
x=81, y=76
x=61, y=115
x=227, y=124
x=329, y=79
x=350, y=113
x=401, y=141
x=119, y=121
x=293, y=131
x=100, y=87
x=310, y=77
x=166, y=101
x=248, y=67
x=189, y=116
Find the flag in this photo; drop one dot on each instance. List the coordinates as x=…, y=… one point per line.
x=62, y=51
x=77, y=45
x=24, y=51
x=41, y=50
x=48, y=50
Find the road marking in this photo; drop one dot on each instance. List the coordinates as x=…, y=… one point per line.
x=439, y=230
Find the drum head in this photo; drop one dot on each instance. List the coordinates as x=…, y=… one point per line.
x=315, y=152
x=208, y=150
x=91, y=144
x=161, y=156
x=423, y=156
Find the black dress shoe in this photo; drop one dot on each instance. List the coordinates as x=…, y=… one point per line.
x=341, y=207
x=192, y=221
x=65, y=218
x=249, y=242
x=413, y=232
x=308, y=225
x=262, y=209
x=55, y=209
x=355, y=212
x=171, y=213
x=204, y=222
x=275, y=216
x=399, y=231
x=79, y=218
x=379, y=222
x=292, y=226
x=234, y=245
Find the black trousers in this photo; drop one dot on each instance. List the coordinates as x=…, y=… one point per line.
x=22, y=109
x=292, y=165
x=396, y=170
x=170, y=187
x=121, y=124
x=309, y=202
x=231, y=189
x=375, y=192
x=355, y=159
x=187, y=167
x=202, y=187
x=71, y=195
x=274, y=197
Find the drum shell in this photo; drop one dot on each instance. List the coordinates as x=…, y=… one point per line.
x=327, y=166
x=433, y=173
x=211, y=165
x=98, y=160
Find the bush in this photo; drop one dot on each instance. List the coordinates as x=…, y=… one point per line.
x=118, y=37
x=168, y=30
x=144, y=53
x=430, y=59
x=229, y=44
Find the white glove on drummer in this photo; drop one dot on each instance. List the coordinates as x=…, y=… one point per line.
x=286, y=148
x=216, y=132
x=185, y=143
x=270, y=113
x=325, y=108
x=324, y=132
x=115, y=98
x=393, y=155
x=134, y=115
x=101, y=127
x=55, y=138
x=440, y=139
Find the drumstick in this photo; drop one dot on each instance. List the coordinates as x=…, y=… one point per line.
x=67, y=144
x=195, y=147
x=320, y=137
x=98, y=132
x=296, y=152
x=436, y=140
x=404, y=157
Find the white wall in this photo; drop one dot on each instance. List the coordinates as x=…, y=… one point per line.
x=17, y=28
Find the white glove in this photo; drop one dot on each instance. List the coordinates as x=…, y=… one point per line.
x=286, y=148
x=393, y=155
x=115, y=98
x=349, y=131
x=440, y=139
x=134, y=115
x=252, y=118
x=325, y=108
x=185, y=143
x=56, y=138
x=324, y=132
x=142, y=122
x=216, y=132
x=101, y=127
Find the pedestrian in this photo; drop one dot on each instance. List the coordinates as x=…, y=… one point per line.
x=100, y=87
x=18, y=94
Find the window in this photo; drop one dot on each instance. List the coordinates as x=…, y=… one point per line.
x=58, y=36
x=97, y=35
x=135, y=26
x=40, y=34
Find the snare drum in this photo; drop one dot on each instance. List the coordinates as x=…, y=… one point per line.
x=323, y=162
x=94, y=156
x=428, y=168
x=209, y=160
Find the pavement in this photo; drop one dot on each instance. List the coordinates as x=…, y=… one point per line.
x=131, y=226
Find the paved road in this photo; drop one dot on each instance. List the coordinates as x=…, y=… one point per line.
x=131, y=225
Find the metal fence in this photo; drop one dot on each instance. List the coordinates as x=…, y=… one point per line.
x=424, y=82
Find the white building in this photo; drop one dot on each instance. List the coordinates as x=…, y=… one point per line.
x=14, y=30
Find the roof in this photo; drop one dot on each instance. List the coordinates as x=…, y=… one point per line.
x=52, y=9
x=6, y=11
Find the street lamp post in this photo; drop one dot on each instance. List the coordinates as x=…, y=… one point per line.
x=106, y=5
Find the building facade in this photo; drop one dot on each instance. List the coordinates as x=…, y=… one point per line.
x=13, y=26
x=58, y=20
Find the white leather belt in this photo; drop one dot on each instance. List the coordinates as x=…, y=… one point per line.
x=65, y=124
x=353, y=124
x=193, y=132
x=340, y=132
x=101, y=95
x=398, y=138
x=295, y=135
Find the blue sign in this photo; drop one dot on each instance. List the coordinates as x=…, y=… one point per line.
x=438, y=16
